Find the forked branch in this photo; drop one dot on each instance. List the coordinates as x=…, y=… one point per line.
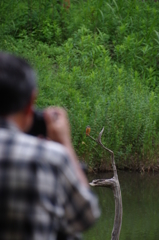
x=114, y=184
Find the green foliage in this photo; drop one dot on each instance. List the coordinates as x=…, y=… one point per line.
x=99, y=60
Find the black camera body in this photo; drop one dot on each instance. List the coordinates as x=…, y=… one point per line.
x=38, y=127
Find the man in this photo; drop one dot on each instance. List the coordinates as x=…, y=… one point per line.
x=44, y=194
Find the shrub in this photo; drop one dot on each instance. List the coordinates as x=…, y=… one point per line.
x=100, y=62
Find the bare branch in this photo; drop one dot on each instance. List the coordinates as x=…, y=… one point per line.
x=92, y=138
x=114, y=184
x=100, y=135
x=103, y=183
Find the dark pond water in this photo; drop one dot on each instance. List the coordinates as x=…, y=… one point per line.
x=140, y=194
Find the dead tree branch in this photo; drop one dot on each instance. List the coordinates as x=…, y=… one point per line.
x=112, y=183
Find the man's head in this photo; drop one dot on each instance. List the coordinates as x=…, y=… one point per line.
x=17, y=86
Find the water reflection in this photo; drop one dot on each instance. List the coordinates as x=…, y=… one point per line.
x=140, y=194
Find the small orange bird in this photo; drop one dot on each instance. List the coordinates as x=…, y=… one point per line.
x=88, y=129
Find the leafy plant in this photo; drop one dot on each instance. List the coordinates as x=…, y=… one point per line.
x=99, y=60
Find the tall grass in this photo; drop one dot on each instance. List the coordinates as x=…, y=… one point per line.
x=99, y=60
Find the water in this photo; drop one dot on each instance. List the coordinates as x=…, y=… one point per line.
x=140, y=195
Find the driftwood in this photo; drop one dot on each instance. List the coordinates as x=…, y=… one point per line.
x=112, y=183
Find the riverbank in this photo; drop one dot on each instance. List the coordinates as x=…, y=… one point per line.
x=141, y=167
x=99, y=60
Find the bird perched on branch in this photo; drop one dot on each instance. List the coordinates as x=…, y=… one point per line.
x=88, y=129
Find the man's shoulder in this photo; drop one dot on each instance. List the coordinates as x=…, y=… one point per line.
x=28, y=147
x=43, y=149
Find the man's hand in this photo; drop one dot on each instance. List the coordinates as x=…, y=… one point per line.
x=57, y=124
x=58, y=130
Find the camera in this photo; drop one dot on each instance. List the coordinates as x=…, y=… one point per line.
x=38, y=127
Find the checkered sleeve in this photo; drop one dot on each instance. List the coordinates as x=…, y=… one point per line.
x=80, y=204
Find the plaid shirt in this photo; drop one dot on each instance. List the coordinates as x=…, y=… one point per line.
x=41, y=197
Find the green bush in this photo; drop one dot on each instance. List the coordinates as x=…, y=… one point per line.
x=99, y=60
